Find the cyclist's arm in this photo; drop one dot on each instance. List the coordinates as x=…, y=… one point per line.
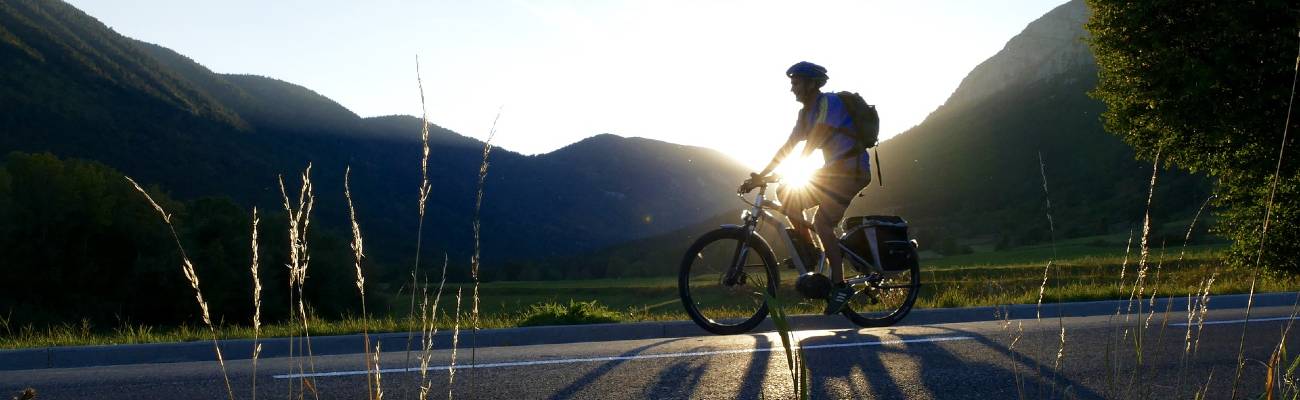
x=794, y=139
x=820, y=132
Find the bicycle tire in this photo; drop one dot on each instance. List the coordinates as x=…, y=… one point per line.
x=705, y=297
x=873, y=316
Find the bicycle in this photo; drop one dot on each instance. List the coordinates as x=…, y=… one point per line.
x=728, y=273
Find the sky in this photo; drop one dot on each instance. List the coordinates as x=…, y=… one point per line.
x=702, y=73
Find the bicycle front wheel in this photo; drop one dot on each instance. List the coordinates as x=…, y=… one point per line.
x=720, y=300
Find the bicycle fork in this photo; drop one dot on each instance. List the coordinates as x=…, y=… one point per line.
x=735, y=271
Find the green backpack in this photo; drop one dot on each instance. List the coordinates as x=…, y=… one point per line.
x=866, y=125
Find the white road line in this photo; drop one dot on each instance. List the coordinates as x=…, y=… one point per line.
x=623, y=358
x=1236, y=321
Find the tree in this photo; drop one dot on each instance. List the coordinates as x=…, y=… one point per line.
x=1205, y=86
x=77, y=242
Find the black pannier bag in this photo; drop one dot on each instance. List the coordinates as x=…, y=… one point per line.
x=882, y=240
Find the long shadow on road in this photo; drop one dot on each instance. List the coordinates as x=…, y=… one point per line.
x=682, y=380
x=595, y=375
x=930, y=370
x=751, y=387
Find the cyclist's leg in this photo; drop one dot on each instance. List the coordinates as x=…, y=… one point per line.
x=793, y=202
x=834, y=190
x=828, y=215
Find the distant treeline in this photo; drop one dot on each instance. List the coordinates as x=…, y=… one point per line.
x=77, y=242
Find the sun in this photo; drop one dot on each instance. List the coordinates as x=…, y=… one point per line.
x=795, y=170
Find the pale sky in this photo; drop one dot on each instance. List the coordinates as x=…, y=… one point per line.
x=703, y=73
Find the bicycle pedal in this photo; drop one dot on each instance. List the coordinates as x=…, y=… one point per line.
x=788, y=262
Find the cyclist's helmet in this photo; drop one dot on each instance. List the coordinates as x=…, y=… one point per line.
x=806, y=69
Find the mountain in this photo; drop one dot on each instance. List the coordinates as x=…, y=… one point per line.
x=73, y=87
x=1048, y=47
x=972, y=168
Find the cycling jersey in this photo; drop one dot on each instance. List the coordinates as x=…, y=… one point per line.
x=841, y=150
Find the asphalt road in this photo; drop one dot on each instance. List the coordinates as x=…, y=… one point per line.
x=1104, y=356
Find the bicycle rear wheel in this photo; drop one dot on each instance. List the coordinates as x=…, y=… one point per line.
x=886, y=300
x=718, y=306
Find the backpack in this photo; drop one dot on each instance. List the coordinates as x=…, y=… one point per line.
x=866, y=122
x=866, y=125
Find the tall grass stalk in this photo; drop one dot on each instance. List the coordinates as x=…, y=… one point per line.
x=1195, y=303
x=1279, y=357
x=1263, y=233
x=478, y=206
x=1241, y=346
x=1015, y=366
x=1204, y=304
x=429, y=328
x=187, y=267
x=1042, y=289
x=293, y=334
x=1112, y=359
x=1164, y=325
x=1192, y=301
x=1137, y=292
x=1295, y=308
x=257, y=304
x=1203, y=390
x=1144, y=254
x=379, y=388
x=1136, y=295
x=358, y=252
x=300, y=260
x=1002, y=313
x=1155, y=288
x=455, y=343
x=423, y=201
x=794, y=354
x=426, y=340
x=1187, y=341
x=1128, y=250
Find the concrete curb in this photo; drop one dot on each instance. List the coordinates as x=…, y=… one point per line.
x=239, y=349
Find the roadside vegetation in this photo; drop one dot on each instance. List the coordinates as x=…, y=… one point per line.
x=509, y=304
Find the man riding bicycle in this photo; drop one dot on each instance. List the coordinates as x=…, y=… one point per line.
x=823, y=123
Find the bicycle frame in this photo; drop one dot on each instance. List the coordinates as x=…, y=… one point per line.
x=762, y=210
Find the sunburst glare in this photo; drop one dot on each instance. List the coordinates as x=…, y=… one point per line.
x=796, y=170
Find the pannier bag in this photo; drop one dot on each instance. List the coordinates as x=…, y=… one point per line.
x=882, y=241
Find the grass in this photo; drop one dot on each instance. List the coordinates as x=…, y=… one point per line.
x=574, y=313
x=510, y=304
x=1109, y=246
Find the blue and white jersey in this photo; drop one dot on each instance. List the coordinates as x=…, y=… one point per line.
x=839, y=148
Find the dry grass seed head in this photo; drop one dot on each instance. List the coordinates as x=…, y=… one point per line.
x=358, y=248
x=257, y=282
x=187, y=268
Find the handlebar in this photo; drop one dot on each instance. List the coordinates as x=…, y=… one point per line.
x=761, y=183
x=756, y=181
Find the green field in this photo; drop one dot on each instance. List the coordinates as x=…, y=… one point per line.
x=1085, y=270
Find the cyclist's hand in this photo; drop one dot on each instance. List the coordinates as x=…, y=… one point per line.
x=749, y=184
x=745, y=187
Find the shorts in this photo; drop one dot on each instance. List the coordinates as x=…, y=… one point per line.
x=836, y=185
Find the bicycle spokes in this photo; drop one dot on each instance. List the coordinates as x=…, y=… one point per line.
x=726, y=281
